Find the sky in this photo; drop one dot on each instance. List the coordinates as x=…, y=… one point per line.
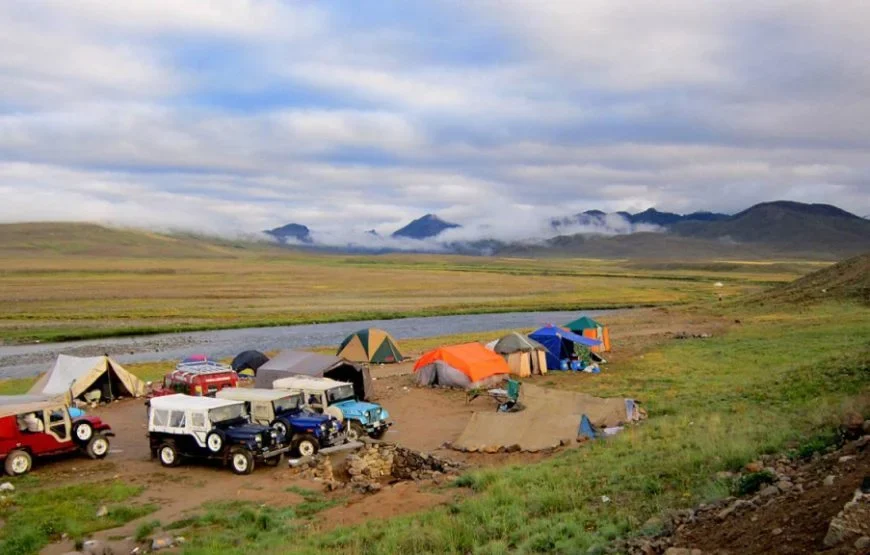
x=229, y=116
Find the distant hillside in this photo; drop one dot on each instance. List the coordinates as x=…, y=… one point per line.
x=788, y=226
x=38, y=239
x=650, y=216
x=846, y=280
x=428, y=226
x=636, y=245
x=291, y=232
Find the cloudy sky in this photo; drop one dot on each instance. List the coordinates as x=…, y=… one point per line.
x=230, y=115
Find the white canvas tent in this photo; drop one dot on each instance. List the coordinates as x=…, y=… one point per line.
x=72, y=377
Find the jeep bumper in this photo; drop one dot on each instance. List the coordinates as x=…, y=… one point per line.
x=377, y=427
x=334, y=437
x=273, y=452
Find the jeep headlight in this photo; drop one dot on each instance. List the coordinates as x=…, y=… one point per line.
x=273, y=434
x=258, y=438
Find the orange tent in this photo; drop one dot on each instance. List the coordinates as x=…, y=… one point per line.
x=467, y=365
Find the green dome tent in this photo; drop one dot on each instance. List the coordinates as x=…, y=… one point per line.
x=370, y=345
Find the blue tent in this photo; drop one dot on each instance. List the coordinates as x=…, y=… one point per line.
x=560, y=343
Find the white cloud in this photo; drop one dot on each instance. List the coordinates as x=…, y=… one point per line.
x=496, y=115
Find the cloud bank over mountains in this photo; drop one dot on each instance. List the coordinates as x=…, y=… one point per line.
x=227, y=116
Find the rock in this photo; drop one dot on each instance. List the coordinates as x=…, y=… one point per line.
x=754, y=466
x=491, y=449
x=515, y=448
x=845, y=459
x=163, y=542
x=96, y=547
x=7, y=487
x=680, y=551
x=103, y=511
x=769, y=491
x=776, y=531
x=724, y=475
x=862, y=543
x=866, y=427
x=784, y=485
x=828, y=481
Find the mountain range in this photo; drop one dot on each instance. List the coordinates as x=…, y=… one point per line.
x=768, y=229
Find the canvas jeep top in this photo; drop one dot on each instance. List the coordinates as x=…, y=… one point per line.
x=187, y=426
x=338, y=399
x=36, y=425
x=286, y=412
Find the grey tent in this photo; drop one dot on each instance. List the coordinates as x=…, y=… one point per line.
x=303, y=363
x=525, y=356
x=72, y=377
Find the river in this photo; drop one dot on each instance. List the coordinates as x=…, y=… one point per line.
x=28, y=360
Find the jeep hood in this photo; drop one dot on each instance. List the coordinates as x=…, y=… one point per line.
x=308, y=420
x=359, y=407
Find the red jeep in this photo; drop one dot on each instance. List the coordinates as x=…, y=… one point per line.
x=197, y=378
x=34, y=426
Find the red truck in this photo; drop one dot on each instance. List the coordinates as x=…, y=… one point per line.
x=35, y=426
x=198, y=378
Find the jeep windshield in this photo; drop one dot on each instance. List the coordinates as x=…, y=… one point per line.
x=228, y=415
x=287, y=404
x=339, y=394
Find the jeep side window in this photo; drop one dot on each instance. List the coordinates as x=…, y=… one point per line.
x=197, y=420
x=176, y=419
x=161, y=417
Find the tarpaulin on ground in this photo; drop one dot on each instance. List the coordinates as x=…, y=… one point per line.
x=550, y=416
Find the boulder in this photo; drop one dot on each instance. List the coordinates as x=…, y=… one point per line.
x=163, y=542
x=7, y=487
x=96, y=547
x=828, y=481
x=769, y=491
x=754, y=466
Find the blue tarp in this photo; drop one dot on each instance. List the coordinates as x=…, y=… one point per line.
x=560, y=343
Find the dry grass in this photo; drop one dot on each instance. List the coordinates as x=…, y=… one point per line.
x=57, y=284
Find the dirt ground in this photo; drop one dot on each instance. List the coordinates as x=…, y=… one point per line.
x=425, y=419
x=795, y=523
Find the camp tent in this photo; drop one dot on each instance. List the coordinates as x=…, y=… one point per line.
x=249, y=360
x=587, y=327
x=560, y=343
x=468, y=365
x=72, y=377
x=370, y=345
x=303, y=363
x=524, y=356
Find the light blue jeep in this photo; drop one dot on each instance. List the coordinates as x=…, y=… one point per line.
x=338, y=399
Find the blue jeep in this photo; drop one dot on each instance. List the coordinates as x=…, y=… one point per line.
x=181, y=426
x=286, y=413
x=338, y=399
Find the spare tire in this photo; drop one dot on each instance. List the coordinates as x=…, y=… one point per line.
x=214, y=441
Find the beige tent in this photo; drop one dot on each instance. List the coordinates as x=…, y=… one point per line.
x=551, y=417
x=72, y=377
x=524, y=356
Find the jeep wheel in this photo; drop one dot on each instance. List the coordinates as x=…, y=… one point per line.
x=168, y=455
x=355, y=431
x=241, y=461
x=280, y=426
x=273, y=461
x=98, y=447
x=83, y=432
x=215, y=441
x=18, y=462
x=305, y=445
x=379, y=434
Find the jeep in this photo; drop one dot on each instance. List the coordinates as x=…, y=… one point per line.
x=182, y=426
x=198, y=378
x=36, y=426
x=286, y=413
x=338, y=399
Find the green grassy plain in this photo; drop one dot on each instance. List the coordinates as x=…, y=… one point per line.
x=73, y=282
